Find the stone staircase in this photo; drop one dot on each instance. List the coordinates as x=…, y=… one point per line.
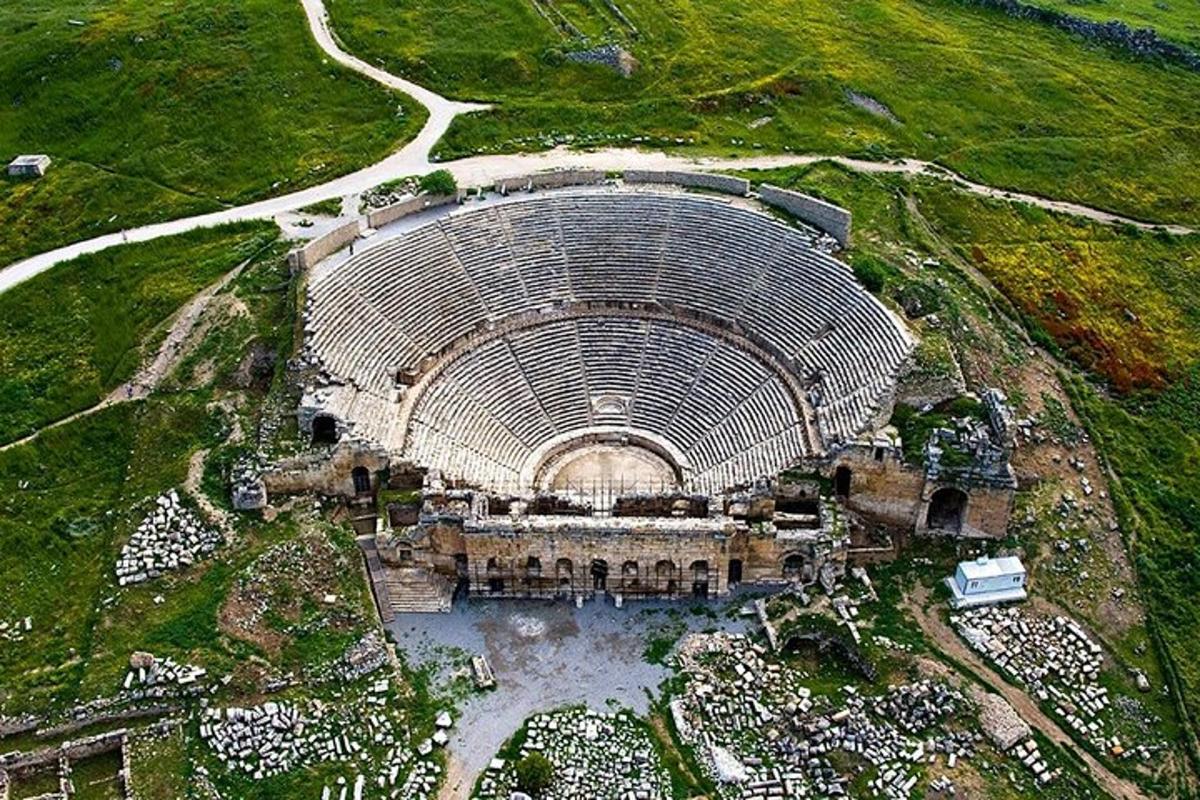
x=415, y=590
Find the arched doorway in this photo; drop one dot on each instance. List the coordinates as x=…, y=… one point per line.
x=947, y=509
x=735, y=572
x=629, y=575
x=533, y=571
x=793, y=567
x=495, y=577
x=324, y=429
x=665, y=577
x=841, y=482
x=600, y=575
x=362, y=480
x=564, y=571
x=699, y=579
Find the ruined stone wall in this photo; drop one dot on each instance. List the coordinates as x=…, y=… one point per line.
x=987, y=513
x=829, y=218
x=324, y=246
x=897, y=495
x=409, y=206
x=698, y=180
x=325, y=473
x=1144, y=42
x=498, y=564
x=886, y=491
x=646, y=548
x=550, y=180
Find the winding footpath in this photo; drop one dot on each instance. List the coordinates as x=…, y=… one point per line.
x=949, y=643
x=413, y=159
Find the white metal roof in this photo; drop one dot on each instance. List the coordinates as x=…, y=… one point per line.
x=984, y=567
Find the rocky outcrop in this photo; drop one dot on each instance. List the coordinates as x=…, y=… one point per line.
x=1143, y=42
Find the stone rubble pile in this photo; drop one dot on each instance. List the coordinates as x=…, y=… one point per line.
x=171, y=537
x=158, y=677
x=1052, y=656
x=596, y=756
x=367, y=734
x=742, y=713
x=363, y=657
x=15, y=631
x=261, y=740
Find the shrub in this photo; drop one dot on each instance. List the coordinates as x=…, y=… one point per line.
x=534, y=773
x=871, y=272
x=438, y=182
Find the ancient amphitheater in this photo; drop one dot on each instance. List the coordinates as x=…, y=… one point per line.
x=562, y=338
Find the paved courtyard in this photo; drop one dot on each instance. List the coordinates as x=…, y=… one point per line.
x=546, y=655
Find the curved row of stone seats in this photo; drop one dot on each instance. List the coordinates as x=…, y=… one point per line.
x=360, y=347
x=491, y=408
x=698, y=180
x=396, y=303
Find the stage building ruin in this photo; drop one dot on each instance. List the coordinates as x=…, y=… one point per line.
x=606, y=391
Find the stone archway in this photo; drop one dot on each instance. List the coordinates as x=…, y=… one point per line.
x=600, y=575
x=629, y=575
x=361, y=476
x=665, y=577
x=495, y=576
x=947, y=510
x=564, y=573
x=735, y=572
x=324, y=430
x=700, y=579
x=842, y=477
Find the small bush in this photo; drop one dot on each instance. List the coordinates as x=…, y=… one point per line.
x=534, y=774
x=438, y=182
x=871, y=273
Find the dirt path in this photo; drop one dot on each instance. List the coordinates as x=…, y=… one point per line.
x=949, y=643
x=152, y=372
x=413, y=159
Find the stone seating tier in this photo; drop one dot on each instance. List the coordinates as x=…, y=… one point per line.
x=402, y=304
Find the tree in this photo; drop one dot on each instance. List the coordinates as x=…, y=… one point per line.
x=438, y=182
x=534, y=774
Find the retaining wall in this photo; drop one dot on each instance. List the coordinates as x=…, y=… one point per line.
x=324, y=246
x=73, y=751
x=550, y=180
x=697, y=180
x=829, y=218
x=409, y=206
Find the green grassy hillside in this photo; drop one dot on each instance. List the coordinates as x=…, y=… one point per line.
x=69, y=336
x=1177, y=20
x=1010, y=102
x=154, y=109
x=1116, y=302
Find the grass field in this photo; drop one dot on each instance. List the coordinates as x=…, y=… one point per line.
x=64, y=498
x=69, y=336
x=1009, y=102
x=69, y=498
x=155, y=109
x=1072, y=282
x=1177, y=20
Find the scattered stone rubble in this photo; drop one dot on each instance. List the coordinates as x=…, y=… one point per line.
x=596, y=756
x=612, y=56
x=261, y=740
x=15, y=631
x=367, y=735
x=743, y=713
x=152, y=677
x=171, y=537
x=1059, y=664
